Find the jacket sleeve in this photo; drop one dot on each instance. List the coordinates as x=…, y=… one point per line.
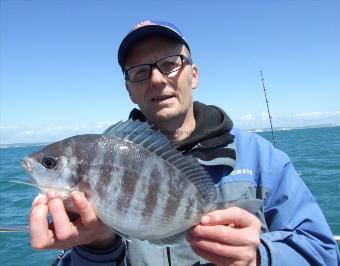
x=298, y=232
x=81, y=256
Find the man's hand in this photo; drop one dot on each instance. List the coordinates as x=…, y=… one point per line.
x=227, y=237
x=63, y=233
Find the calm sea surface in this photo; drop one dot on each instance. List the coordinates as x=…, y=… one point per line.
x=314, y=152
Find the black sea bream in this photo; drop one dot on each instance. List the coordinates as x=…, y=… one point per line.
x=136, y=181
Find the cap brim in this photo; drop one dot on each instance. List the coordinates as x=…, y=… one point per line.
x=144, y=32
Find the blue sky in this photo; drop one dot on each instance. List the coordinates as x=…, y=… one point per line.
x=60, y=77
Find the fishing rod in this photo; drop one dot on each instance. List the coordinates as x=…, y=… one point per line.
x=267, y=102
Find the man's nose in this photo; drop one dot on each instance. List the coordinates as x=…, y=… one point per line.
x=156, y=76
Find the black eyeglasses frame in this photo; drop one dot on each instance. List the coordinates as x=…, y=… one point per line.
x=184, y=59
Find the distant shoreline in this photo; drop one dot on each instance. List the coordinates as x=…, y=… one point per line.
x=255, y=130
x=21, y=145
x=292, y=128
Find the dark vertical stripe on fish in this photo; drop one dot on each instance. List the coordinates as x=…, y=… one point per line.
x=174, y=200
x=84, y=156
x=188, y=210
x=153, y=193
x=106, y=170
x=127, y=193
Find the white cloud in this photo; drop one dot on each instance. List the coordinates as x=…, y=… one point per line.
x=47, y=133
x=53, y=132
x=252, y=121
x=247, y=117
x=102, y=125
x=26, y=133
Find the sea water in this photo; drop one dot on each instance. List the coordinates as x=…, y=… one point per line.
x=315, y=153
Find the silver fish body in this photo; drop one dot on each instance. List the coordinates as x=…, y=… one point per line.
x=137, y=182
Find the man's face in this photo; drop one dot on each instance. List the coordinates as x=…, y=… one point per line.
x=162, y=97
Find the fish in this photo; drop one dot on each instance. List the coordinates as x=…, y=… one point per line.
x=135, y=179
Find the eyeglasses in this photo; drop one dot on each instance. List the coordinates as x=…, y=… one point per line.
x=165, y=65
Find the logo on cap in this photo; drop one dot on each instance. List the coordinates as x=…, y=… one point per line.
x=143, y=24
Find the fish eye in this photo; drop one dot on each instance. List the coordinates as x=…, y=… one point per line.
x=49, y=162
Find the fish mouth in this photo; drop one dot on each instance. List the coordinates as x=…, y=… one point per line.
x=26, y=164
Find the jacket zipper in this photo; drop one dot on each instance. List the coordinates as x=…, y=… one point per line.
x=168, y=255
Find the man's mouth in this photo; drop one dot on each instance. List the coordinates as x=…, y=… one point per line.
x=161, y=98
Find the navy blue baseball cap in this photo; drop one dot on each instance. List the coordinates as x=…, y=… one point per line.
x=144, y=29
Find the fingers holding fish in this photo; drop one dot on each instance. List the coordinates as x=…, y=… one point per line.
x=50, y=236
x=238, y=242
x=86, y=230
x=41, y=235
x=39, y=199
x=91, y=230
x=84, y=208
x=62, y=233
x=233, y=225
x=237, y=216
x=221, y=233
x=63, y=228
x=222, y=251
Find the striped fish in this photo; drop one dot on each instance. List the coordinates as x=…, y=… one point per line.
x=137, y=182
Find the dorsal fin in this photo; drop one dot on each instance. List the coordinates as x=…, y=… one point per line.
x=155, y=142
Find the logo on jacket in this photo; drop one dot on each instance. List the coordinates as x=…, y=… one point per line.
x=242, y=172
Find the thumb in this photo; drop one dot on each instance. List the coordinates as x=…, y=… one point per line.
x=232, y=216
x=84, y=208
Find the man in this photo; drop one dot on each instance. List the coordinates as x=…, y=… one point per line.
x=290, y=229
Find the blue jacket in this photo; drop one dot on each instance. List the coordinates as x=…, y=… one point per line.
x=294, y=229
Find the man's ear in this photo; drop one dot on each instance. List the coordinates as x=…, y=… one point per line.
x=129, y=91
x=194, y=82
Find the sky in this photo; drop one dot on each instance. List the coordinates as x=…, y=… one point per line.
x=60, y=76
